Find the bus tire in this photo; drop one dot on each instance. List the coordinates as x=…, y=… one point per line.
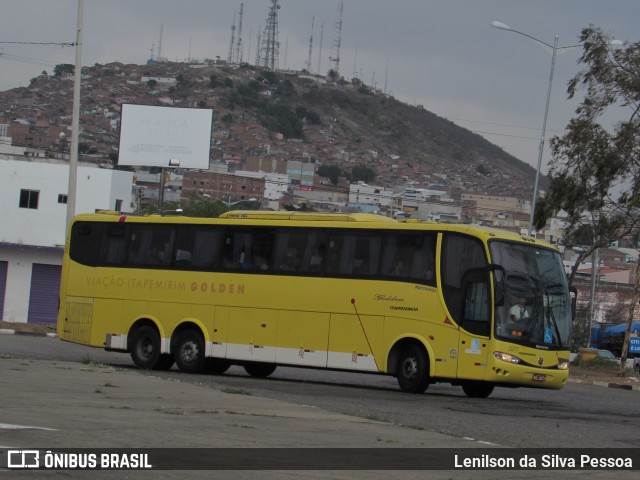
x=474, y=389
x=260, y=370
x=165, y=362
x=216, y=366
x=413, y=368
x=189, y=351
x=145, y=347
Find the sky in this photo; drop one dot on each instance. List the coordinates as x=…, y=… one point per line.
x=441, y=54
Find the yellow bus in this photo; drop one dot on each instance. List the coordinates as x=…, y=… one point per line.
x=424, y=302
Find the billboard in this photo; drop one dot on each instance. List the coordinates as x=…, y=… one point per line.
x=153, y=136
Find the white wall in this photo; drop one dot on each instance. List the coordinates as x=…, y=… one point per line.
x=44, y=226
x=20, y=264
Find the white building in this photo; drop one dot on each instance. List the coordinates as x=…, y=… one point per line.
x=361, y=193
x=33, y=195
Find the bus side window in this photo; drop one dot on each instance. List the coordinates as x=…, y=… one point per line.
x=366, y=254
x=337, y=255
x=151, y=245
x=289, y=250
x=411, y=256
x=315, y=252
x=247, y=249
x=85, y=242
x=114, y=245
x=198, y=248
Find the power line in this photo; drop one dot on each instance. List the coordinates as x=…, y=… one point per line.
x=60, y=44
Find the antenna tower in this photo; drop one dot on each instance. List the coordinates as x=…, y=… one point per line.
x=159, y=59
x=238, y=57
x=336, y=40
x=320, y=49
x=270, y=43
x=310, y=45
x=233, y=40
x=258, y=47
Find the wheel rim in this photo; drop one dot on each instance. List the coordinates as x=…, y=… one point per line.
x=189, y=352
x=145, y=349
x=410, y=368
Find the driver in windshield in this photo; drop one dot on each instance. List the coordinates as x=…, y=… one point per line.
x=519, y=311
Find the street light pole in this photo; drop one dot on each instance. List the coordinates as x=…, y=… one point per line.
x=554, y=51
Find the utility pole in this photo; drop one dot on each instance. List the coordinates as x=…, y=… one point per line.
x=75, y=122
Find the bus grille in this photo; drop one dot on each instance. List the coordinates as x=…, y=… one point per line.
x=77, y=327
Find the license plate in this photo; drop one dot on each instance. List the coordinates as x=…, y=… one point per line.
x=539, y=378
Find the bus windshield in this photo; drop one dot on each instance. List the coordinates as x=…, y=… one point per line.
x=536, y=306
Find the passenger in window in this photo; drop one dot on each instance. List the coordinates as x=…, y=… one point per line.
x=152, y=257
x=398, y=269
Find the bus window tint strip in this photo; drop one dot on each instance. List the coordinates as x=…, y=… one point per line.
x=398, y=255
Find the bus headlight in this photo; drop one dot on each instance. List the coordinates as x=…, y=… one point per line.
x=506, y=357
x=563, y=366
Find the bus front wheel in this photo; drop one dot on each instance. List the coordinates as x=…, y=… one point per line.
x=145, y=347
x=260, y=370
x=189, y=351
x=412, y=371
x=477, y=389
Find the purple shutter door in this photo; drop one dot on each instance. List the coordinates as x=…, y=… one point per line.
x=45, y=292
x=4, y=266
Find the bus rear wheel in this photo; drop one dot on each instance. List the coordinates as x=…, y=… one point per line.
x=145, y=347
x=412, y=371
x=260, y=370
x=477, y=389
x=216, y=366
x=189, y=351
x=165, y=362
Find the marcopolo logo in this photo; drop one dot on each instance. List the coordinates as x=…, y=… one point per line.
x=23, y=459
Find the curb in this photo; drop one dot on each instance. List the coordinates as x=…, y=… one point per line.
x=598, y=383
x=9, y=331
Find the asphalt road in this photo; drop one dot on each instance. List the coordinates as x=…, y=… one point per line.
x=579, y=416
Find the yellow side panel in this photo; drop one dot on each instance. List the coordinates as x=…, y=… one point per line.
x=303, y=338
x=107, y=318
x=356, y=342
x=252, y=334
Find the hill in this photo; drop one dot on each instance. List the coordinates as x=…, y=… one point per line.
x=262, y=114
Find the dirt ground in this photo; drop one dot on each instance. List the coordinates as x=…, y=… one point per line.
x=575, y=373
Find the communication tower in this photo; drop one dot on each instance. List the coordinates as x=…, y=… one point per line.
x=270, y=43
x=238, y=57
x=310, y=46
x=233, y=40
x=336, y=40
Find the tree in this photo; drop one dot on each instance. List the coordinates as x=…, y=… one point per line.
x=332, y=172
x=594, y=158
x=61, y=68
x=362, y=173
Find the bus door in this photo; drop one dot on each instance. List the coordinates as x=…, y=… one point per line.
x=466, y=292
